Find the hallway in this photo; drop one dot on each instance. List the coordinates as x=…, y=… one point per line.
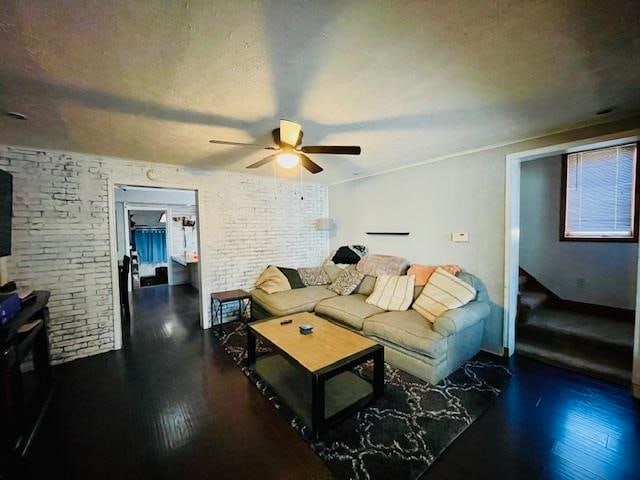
x=169, y=405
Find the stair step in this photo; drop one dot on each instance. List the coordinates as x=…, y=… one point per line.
x=584, y=359
x=533, y=299
x=522, y=280
x=574, y=327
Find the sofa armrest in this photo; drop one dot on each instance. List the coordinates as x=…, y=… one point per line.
x=458, y=319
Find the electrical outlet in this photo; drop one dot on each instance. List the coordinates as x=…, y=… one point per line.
x=460, y=237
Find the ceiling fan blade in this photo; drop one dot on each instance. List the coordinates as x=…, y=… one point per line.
x=262, y=162
x=289, y=132
x=309, y=164
x=276, y=137
x=332, y=149
x=240, y=144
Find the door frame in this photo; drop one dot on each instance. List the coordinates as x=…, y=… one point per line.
x=202, y=254
x=512, y=231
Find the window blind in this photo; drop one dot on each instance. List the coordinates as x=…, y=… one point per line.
x=600, y=193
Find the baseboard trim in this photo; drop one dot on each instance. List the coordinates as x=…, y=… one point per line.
x=497, y=353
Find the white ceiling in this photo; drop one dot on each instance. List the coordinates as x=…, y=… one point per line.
x=406, y=80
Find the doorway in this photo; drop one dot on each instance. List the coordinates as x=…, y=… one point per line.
x=156, y=231
x=514, y=164
x=576, y=295
x=147, y=243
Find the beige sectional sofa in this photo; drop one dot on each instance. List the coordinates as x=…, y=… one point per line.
x=430, y=351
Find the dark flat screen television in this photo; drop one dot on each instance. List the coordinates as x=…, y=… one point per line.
x=6, y=212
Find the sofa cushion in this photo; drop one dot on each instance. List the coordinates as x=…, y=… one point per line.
x=350, y=310
x=393, y=292
x=347, y=281
x=442, y=292
x=417, y=290
x=332, y=270
x=407, y=329
x=459, y=319
x=366, y=286
x=482, y=295
x=291, y=301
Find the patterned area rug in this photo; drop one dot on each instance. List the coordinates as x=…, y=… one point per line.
x=401, y=434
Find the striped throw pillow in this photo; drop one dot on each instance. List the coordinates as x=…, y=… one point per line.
x=442, y=292
x=393, y=292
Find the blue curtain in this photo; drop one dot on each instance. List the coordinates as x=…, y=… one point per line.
x=151, y=244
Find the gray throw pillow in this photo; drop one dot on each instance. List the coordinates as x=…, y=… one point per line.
x=314, y=276
x=347, y=281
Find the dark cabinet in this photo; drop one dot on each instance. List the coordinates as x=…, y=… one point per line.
x=23, y=396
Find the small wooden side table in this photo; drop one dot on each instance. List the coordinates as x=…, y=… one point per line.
x=218, y=299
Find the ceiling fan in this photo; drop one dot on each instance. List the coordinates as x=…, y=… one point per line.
x=287, y=154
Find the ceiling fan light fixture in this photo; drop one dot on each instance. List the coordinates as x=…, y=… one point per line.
x=287, y=139
x=288, y=160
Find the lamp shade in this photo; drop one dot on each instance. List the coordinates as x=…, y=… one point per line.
x=325, y=224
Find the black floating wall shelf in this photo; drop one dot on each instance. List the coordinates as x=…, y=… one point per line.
x=389, y=233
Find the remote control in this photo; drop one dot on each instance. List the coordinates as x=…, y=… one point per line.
x=286, y=322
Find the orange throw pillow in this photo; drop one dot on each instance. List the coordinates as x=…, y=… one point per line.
x=424, y=272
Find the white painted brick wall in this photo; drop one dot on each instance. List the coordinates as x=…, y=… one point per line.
x=61, y=233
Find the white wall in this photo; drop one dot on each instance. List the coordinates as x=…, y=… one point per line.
x=183, y=239
x=431, y=202
x=61, y=234
x=607, y=270
x=462, y=193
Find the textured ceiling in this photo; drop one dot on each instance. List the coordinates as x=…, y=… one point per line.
x=408, y=81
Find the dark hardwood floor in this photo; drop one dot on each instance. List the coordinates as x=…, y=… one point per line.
x=550, y=423
x=172, y=404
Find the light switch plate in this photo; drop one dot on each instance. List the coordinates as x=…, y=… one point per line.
x=460, y=237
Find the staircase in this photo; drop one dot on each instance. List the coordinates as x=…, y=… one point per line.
x=553, y=331
x=530, y=298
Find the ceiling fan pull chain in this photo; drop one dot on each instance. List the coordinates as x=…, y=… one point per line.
x=275, y=182
x=300, y=176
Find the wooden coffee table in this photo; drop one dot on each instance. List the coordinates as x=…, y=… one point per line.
x=324, y=354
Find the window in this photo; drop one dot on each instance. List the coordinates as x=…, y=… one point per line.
x=599, y=195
